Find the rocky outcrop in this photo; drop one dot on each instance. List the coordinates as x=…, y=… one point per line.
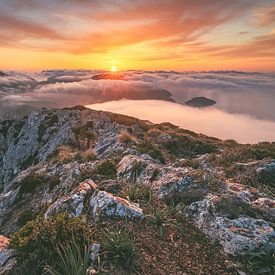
x=235, y=236
x=103, y=203
x=73, y=203
x=36, y=180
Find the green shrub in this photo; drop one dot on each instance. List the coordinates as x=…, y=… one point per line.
x=106, y=168
x=119, y=246
x=137, y=169
x=30, y=182
x=155, y=174
x=186, y=197
x=232, y=207
x=161, y=218
x=148, y=148
x=53, y=181
x=184, y=146
x=35, y=243
x=25, y=216
x=137, y=193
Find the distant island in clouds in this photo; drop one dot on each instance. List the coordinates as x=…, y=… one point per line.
x=200, y=101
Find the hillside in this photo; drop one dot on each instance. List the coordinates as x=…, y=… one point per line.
x=141, y=197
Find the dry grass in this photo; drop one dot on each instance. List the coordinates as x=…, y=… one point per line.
x=125, y=137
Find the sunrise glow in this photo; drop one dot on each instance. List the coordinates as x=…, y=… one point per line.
x=153, y=35
x=114, y=69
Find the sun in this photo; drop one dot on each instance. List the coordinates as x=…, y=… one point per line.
x=114, y=69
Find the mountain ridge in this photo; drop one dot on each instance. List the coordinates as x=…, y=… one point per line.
x=54, y=161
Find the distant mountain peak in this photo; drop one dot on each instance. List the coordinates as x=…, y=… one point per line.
x=3, y=74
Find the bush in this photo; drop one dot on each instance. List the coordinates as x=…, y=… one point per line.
x=161, y=218
x=30, y=182
x=126, y=137
x=35, y=243
x=186, y=197
x=25, y=216
x=137, y=193
x=106, y=168
x=232, y=207
x=119, y=246
x=150, y=149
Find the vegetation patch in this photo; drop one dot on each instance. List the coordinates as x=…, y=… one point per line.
x=137, y=193
x=148, y=148
x=106, y=168
x=36, y=242
x=184, y=146
x=185, y=197
x=233, y=207
x=30, y=182
x=120, y=249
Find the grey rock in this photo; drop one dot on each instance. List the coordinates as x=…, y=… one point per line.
x=235, y=236
x=103, y=203
x=73, y=203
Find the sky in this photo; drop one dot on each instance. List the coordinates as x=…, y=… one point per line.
x=180, y=35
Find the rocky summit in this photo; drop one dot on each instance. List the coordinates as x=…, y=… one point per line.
x=136, y=197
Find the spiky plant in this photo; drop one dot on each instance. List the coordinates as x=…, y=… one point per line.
x=119, y=246
x=71, y=260
x=161, y=218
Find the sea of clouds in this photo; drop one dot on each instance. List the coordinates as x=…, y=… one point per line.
x=250, y=94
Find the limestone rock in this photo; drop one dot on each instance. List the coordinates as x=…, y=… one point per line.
x=103, y=203
x=236, y=235
x=73, y=204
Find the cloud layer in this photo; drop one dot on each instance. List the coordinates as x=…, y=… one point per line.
x=235, y=92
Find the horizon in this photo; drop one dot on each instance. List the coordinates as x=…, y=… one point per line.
x=142, y=35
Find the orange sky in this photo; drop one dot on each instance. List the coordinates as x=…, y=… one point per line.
x=151, y=34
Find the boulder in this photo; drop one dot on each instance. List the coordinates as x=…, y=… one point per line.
x=235, y=236
x=173, y=181
x=73, y=204
x=103, y=203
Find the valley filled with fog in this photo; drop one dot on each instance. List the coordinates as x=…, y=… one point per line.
x=244, y=109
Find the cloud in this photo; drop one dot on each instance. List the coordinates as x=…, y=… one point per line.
x=265, y=15
x=234, y=92
x=210, y=121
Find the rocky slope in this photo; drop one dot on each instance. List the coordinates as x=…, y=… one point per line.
x=86, y=163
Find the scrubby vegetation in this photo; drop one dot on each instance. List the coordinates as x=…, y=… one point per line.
x=106, y=168
x=30, y=182
x=119, y=249
x=37, y=242
x=137, y=193
x=149, y=148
